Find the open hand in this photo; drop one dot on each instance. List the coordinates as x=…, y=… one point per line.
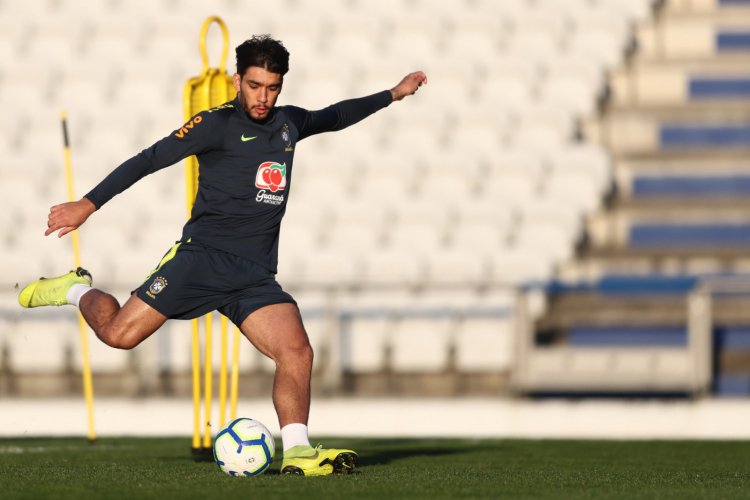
x=68, y=216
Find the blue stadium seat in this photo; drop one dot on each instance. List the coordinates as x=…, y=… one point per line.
x=733, y=40
x=731, y=385
x=703, y=185
x=649, y=283
x=627, y=336
x=719, y=87
x=670, y=235
x=678, y=135
x=732, y=337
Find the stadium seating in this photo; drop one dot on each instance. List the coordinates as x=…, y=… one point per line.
x=478, y=184
x=675, y=123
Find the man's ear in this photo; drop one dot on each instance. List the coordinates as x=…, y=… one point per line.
x=236, y=80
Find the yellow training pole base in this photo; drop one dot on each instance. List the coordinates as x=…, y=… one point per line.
x=208, y=370
x=223, y=331
x=196, y=387
x=88, y=384
x=211, y=88
x=202, y=454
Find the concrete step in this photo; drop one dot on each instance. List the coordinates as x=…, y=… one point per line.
x=695, y=35
x=654, y=309
x=639, y=134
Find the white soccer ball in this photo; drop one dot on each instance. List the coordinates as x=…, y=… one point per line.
x=244, y=447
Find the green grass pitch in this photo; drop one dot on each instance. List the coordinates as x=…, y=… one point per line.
x=161, y=468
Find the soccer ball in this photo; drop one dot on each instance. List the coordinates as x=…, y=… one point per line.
x=244, y=447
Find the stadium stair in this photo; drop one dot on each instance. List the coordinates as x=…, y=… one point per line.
x=677, y=126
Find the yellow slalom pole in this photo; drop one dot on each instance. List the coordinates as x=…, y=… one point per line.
x=233, y=390
x=223, y=374
x=211, y=88
x=208, y=381
x=88, y=386
x=196, y=388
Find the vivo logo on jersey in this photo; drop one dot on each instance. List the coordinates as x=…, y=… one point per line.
x=188, y=126
x=271, y=176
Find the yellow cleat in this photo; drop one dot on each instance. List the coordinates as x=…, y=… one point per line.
x=52, y=291
x=309, y=461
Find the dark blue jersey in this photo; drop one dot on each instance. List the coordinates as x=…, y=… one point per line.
x=245, y=170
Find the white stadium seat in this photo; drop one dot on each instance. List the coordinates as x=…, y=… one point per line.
x=507, y=92
x=439, y=187
x=40, y=343
x=456, y=267
x=414, y=238
x=540, y=46
x=603, y=46
x=475, y=183
x=435, y=213
x=549, y=212
x=102, y=358
x=498, y=213
x=587, y=159
x=364, y=344
x=485, y=344
x=513, y=267
x=175, y=340
x=550, y=241
x=353, y=237
x=392, y=268
x=574, y=189
x=515, y=188
x=333, y=267
x=421, y=345
x=479, y=235
x=371, y=215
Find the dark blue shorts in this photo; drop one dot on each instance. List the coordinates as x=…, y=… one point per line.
x=193, y=279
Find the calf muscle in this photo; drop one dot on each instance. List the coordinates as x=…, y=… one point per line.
x=120, y=327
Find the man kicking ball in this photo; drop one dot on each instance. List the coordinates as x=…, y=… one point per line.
x=227, y=256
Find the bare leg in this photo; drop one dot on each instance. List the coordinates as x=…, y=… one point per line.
x=121, y=327
x=277, y=332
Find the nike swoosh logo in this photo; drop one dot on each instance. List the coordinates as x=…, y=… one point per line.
x=245, y=139
x=311, y=457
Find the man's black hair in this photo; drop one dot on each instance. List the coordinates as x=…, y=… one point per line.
x=264, y=52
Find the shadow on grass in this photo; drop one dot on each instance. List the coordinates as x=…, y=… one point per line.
x=390, y=450
x=377, y=452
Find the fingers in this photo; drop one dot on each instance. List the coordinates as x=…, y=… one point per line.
x=416, y=79
x=62, y=227
x=408, y=85
x=419, y=77
x=65, y=231
x=57, y=220
x=67, y=217
x=56, y=209
x=52, y=227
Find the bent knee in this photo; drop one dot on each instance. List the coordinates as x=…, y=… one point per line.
x=301, y=353
x=117, y=338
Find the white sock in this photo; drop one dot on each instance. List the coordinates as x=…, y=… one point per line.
x=75, y=292
x=294, y=435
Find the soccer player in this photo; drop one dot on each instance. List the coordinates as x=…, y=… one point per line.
x=226, y=259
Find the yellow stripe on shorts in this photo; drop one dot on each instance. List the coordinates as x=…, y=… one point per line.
x=167, y=257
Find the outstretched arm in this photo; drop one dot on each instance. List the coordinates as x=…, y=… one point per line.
x=68, y=216
x=408, y=85
x=195, y=136
x=345, y=113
